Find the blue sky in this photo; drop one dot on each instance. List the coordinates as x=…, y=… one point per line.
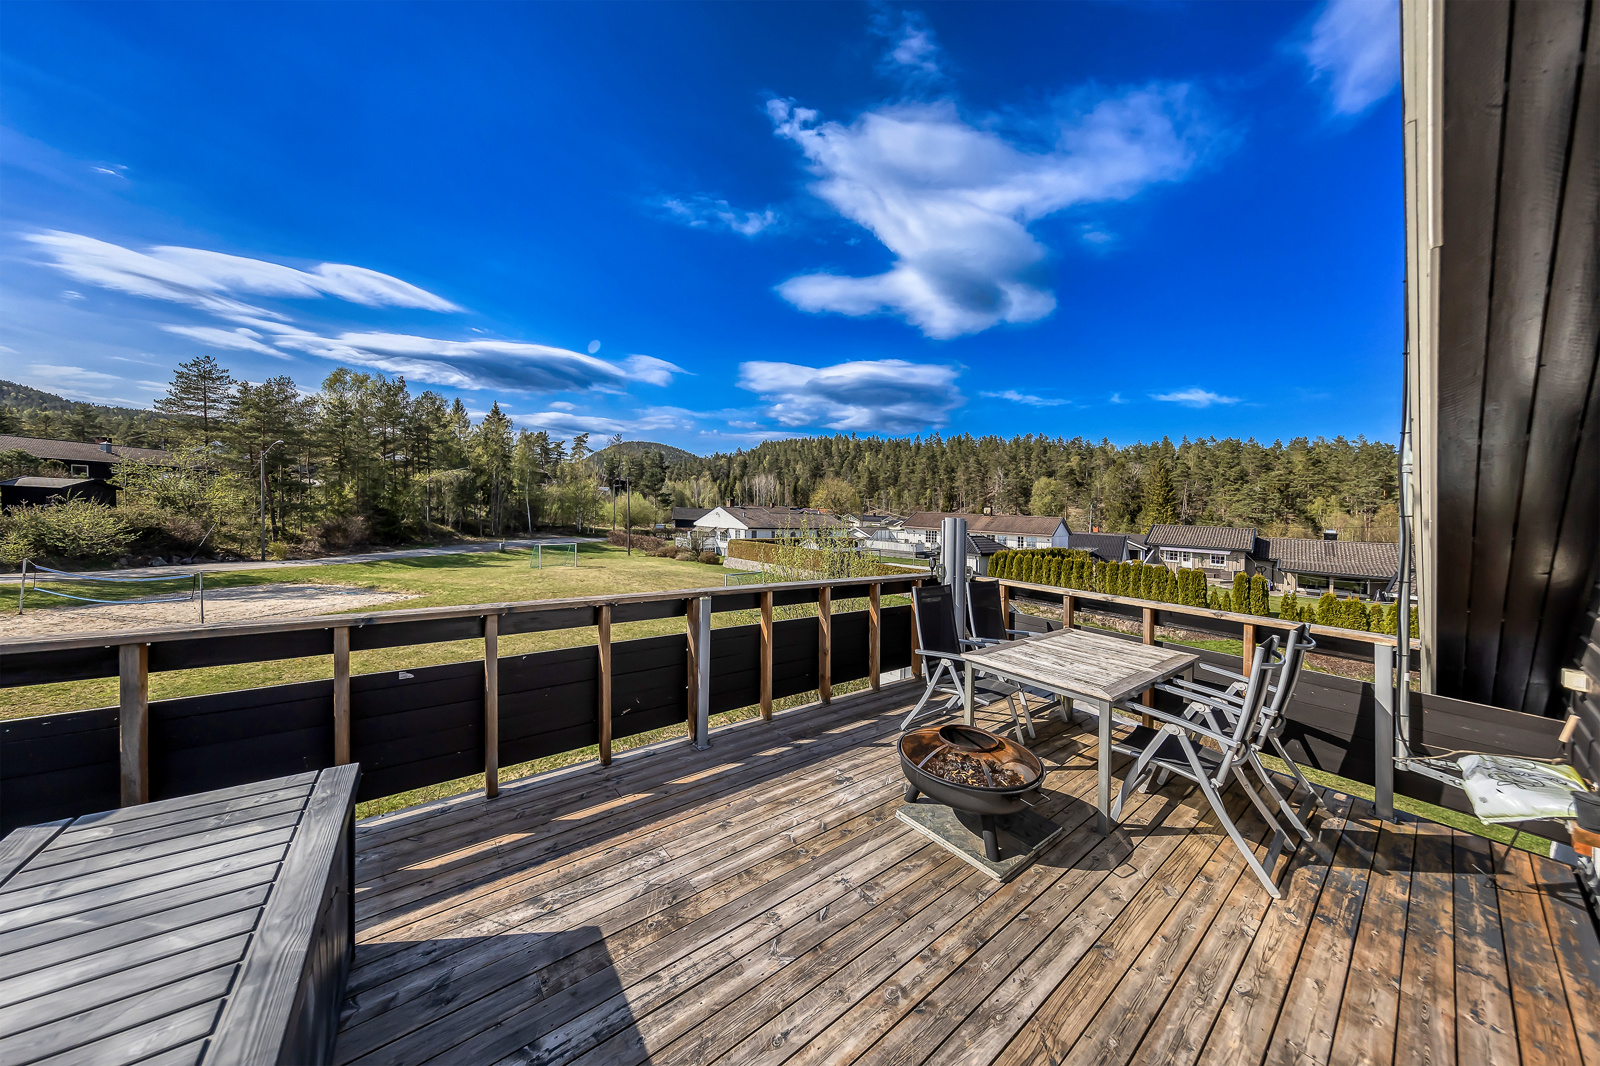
x=712, y=224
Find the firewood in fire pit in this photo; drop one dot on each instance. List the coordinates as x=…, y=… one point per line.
x=964, y=769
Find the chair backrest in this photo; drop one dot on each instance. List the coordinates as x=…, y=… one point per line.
x=988, y=619
x=1262, y=666
x=1294, y=658
x=936, y=619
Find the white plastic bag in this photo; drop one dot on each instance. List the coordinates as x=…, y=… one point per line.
x=1504, y=788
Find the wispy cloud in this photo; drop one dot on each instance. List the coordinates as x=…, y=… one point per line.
x=705, y=212
x=212, y=281
x=952, y=199
x=1024, y=398
x=1355, y=48
x=1191, y=397
x=1116, y=397
x=92, y=386
x=881, y=396
x=913, y=53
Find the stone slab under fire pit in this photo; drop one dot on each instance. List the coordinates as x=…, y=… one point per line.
x=1023, y=836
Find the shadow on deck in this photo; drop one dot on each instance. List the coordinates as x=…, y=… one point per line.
x=760, y=903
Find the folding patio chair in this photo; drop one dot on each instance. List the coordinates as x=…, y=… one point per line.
x=1221, y=705
x=988, y=626
x=1176, y=748
x=941, y=648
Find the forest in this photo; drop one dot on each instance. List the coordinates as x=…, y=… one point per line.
x=366, y=460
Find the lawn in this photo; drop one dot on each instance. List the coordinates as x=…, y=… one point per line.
x=439, y=581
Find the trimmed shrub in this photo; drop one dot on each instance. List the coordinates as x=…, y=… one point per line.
x=1258, y=595
x=668, y=551
x=684, y=555
x=1241, y=592
x=1225, y=600
x=1328, y=610
x=1289, y=608
x=711, y=557
x=1214, y=601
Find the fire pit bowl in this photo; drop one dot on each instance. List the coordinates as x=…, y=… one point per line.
x=971, y=770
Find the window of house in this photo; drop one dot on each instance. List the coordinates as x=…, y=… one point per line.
x=79, y=470
x=1219, y=559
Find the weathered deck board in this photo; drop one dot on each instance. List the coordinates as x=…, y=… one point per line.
x=759, y=903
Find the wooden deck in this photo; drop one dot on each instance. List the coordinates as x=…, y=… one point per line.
x=760, y=903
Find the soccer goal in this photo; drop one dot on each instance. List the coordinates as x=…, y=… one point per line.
x=559, y=549
x=108, y=589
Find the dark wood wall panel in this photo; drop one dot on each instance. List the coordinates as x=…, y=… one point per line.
x=427, y=631
x=794, y=656
x=547, y=621
x=411, y=728
x=1518, y=453
x=549, y=703
x=1475, y=41
x=201, y=743
x=47, y=667
x=848, y=661
x=895, y=638
x=735, y=668
x=649, y=684
x=58, y=766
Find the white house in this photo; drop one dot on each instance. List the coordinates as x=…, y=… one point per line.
x=728, y=523
x=1008, y=530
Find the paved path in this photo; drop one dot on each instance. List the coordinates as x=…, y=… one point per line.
x=327, y=560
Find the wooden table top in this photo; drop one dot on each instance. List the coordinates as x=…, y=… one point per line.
x=1082, y=663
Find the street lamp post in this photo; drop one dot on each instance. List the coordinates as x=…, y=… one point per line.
x=264, y=452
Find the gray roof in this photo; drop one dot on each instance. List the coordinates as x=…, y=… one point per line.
x=1013, y=524
x=782, y=518
x=689, y=514
x=1214, y=538
x=982, y=545
x=1368, y=560
x=72, y=451
x=51, y=482
x=1107, y=547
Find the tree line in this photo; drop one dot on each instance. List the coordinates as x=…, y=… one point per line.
x=1283, y=488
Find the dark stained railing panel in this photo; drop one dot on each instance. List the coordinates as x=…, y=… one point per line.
x=58, y=766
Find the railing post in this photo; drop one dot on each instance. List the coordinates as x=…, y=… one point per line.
x=341, y=695
x=491, y=706
x=691, y=622
x=825, y=644
x=702, y=703
x=766, y=656
x=603, y=642
x=133, y=668
x=1383, y=691
x=874, y=635
x=1069, y=606
x=1005, y=603
x=1249, y=648
x=916, y=660
x=1148, y=635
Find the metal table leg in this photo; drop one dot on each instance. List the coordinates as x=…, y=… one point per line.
x=1103, y=791
x=970, y=707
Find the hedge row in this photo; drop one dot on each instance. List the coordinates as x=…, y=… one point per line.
x=1346, y=613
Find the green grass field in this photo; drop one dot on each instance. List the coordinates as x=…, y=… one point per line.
x=439, y=581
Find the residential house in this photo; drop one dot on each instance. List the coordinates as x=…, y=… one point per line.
x=1106, y=547
x=730, y=522
x=1009, y=530
x=980, y=549
x=81, y=460
x=1221, y=551
x=43, y=491
x=1367, y=567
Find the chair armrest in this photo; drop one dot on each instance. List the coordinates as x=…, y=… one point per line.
x=1206, y=691
x=979, y=642
x=1182, y=723
x=1024, y=633
x=1193, y=697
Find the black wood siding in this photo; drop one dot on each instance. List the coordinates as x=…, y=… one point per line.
x=1518, y=504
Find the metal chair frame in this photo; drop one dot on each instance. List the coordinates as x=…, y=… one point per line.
x=931, y=605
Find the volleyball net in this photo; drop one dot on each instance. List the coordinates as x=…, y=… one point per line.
x=48, y=585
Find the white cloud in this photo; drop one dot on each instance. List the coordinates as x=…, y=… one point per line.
x=69, y=294
x=562, y=405
x=708, y=213
x=1190, y=397
x=1024, y=398
x=880, y=396
x=241, y=339
x=1355, y=46
x=1116, y=397
x=953, y=200
x=913, y=52
x=92, y=386
x=211, y=280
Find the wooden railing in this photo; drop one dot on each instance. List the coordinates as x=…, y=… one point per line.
x=339, y=716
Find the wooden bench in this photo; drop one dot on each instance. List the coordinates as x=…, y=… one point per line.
x=215, y=928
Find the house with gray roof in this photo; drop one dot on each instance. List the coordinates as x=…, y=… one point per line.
x=1314, y=563
x=1009, y=530
x=1221, y=551
x=731, y=522
x=81, y=460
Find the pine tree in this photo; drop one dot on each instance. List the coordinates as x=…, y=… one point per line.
x=199, y=391
x=1160, y=502
x=1241, y=592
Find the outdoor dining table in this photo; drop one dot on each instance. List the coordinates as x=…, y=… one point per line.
x=1091, y=668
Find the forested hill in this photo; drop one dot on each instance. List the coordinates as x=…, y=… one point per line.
x=639, y=447
x=1283, y=488
x=31, y=412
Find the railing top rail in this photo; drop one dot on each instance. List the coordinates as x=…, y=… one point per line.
x=164, y=634
x=1258, y=620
